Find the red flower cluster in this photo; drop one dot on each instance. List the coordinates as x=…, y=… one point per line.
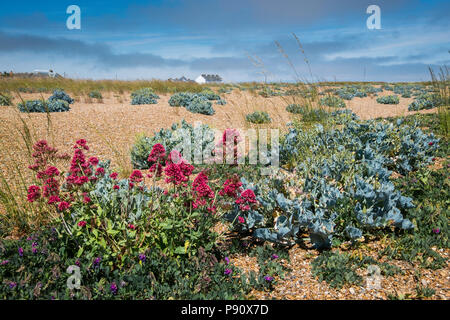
x=136, y=176
x=231, y=187
x=202, y=192
x=156, y=159
x=246, y=198
x=34, y=192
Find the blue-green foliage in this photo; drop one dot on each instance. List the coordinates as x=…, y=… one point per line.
x=200, y=104
x=60, y=95
x=196, y=102
x=170, y=138
x=144, y=96
x=346, y=180
x=258, y=117
x=349, y=92
x=388, y=100
x=95, y=94
x=425, y=101
x=44, y=106
x=332, y=101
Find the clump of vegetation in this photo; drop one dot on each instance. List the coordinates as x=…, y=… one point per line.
x=332, y=101
x=425, y=101
x=258, y=117
x=44, y=106
x=5, y=100
x=199, y=104
x=95, y=94
x=60, y=95
x=388, y=99
x=144, y=96
x=294, y=108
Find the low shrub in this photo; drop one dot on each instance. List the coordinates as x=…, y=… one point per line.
x=60, y=95
x=144, y=96
x=95, y=94
x=200, y=104
x=332, y=101
x=388, y=100
x=5, y=100
x=258, y=117
x=294, y=108
x=44, y=106
x=425, y=101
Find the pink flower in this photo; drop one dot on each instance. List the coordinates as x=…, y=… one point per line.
x=93, y=161
x=53, y=199
x=34, y=192
x=86, y=199
x=157, y=154
x=132, y=226
x=430, y=143
x=82, y=223
x=231, y=187
x=99, y=171
x=116, y=187
x=51, y=172
x=63, y=205
x=113, y=175
x=82, y=143
x=241, y=219
x=136, y=176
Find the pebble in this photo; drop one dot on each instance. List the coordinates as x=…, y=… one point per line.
x=352, y=291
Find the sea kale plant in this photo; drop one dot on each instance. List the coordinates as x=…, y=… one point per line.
x=5, y=99
x=344, y=180
x=388, y=100
x=144, y=96
x=332, y=101
x=59, y=94
x=44, y=106
x=258, y=117
x=171, y=138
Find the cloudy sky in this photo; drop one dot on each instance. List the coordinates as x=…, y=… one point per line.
x=238, y=39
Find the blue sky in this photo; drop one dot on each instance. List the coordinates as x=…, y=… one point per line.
x=233, y=38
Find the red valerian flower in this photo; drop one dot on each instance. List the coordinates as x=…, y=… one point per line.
x=51, y=187
x=34, y=192
x=132, y=226
x=430, y=143
x=231, y=187
x=136, y=176
x=174, y=174
x=53, y=199
x=82, y=143
x=93, y=161
x=86, y=199
x=157, y=154
x=116, y=187
x=99, y=171
x=51, y=172
x=63, y=205
x=113, y=175
x=82, y=223
x=241, y=219
x=247, y=197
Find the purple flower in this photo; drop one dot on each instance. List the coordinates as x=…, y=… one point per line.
x=78, y=263
x=4, y=262
x=228, y=272
x=12, y=285
x=274, y=256
x=21, y=252
x=97, y=261
x=227, y=260
x=142, y=257
x=268, y=278
x=113, y=288
x=436, y=230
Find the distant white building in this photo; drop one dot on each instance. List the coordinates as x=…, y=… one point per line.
x=200, y=80
x=208, y=78
x=45, y=73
